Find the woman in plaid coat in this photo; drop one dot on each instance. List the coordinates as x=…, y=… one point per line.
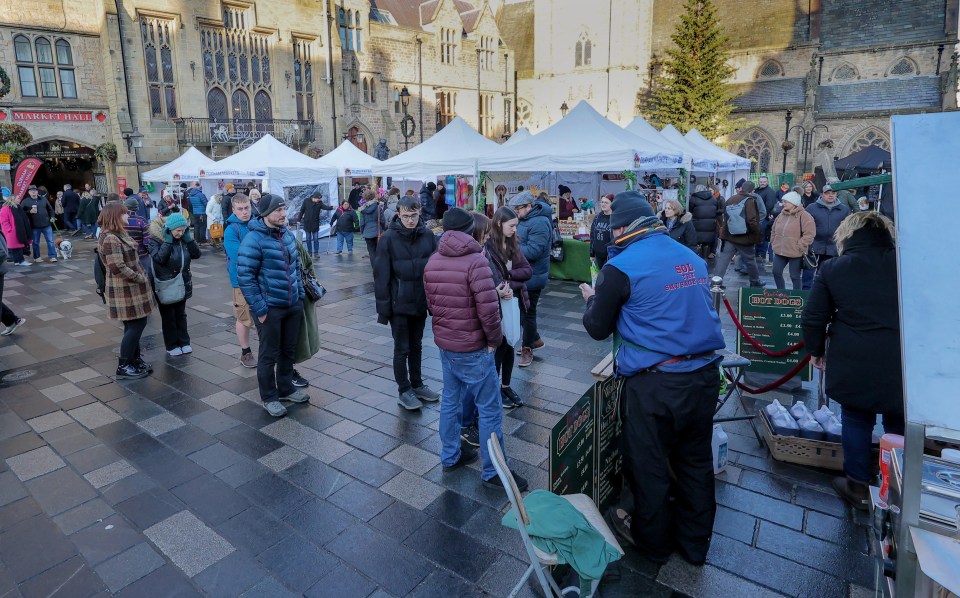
x=127, y=291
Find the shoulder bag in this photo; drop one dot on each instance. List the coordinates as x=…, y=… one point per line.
x=809, y=261
x=172, y=290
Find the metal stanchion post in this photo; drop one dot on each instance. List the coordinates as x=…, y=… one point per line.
x=716, y=290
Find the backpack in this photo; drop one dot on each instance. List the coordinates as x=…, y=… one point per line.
x=100, y=275
x=556, y=242
x=736, y=223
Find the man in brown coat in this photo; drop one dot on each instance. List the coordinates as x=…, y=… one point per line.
x=740, y=240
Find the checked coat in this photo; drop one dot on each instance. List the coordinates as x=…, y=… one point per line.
x=127, y=289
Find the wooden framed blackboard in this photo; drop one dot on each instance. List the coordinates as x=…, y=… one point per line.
x=772, y=318
x=609, y=461
x=573, y=462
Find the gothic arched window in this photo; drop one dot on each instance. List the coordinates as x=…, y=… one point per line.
x=844, y=72
x=583, y=51
x=770, y=69
x=217, y=105
x=868, y=137
x=902, y=67
x=241, y=105
x=755, y=145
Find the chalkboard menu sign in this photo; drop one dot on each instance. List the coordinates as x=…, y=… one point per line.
x=584, y=446
x=573, y=449
x=772, y=318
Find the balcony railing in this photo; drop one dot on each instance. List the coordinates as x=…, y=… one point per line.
x=243, y=132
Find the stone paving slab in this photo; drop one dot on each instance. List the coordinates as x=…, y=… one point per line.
x=206, y=494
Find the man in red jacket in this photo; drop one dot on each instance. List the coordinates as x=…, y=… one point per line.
x=466, y=327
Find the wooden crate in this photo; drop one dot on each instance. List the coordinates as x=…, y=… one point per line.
x=802, y=451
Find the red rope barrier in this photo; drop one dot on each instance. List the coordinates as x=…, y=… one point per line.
x=776, y=383
x=757, y=345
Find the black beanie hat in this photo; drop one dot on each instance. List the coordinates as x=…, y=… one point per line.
x=270, y=203
x=431, y=186
x=628, y=206
x=563, y=189
x=740, y=183
x=458, y=219
x=128, y=192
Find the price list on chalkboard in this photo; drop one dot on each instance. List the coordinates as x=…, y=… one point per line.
x=609, y=462
x=573, y=449
x=772, y=318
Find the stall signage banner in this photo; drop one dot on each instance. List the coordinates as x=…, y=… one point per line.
x=4, y=161
x=25, y=173
x=585, y=446
x=121, y=184
x=772, y=318
x=44, y=115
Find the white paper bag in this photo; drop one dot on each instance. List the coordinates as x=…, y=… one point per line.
x=510, y=320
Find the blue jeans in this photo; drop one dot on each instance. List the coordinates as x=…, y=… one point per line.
x=857, y=440
x=88, y=229
x=47, y=232
x=341, y=237
x=313, y=242
x=469, y=379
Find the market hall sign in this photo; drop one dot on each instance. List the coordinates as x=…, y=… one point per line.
x=34, y=115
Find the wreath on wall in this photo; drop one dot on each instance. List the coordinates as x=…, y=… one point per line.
x=105, y=151
x=4, y=83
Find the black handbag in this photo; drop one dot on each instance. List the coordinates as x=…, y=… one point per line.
x=313, y=289
x=809, y=261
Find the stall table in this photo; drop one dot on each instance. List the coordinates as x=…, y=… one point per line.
x=576, y=262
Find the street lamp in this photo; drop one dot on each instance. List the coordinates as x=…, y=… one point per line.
x=407, y=126
x=134, y=140
x=787, y=145
x=563, y=109
x=806, y=140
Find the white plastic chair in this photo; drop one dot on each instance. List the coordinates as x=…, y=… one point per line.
x=540, y=560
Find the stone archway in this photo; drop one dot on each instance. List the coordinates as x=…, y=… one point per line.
x=359, y=135
x=65, y=161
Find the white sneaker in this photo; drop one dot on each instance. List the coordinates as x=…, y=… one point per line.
x=38, y=260
x=25, y=263
x=8, y=330
x=186, y=350
x=52, y=259
x=175, y=352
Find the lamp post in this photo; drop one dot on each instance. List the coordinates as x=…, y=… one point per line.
x=806, y=140
x=787, y=145
x=563, y=109
x=407, y=126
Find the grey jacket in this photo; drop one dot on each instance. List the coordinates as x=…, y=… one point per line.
x=827, y=219
x=371, y=221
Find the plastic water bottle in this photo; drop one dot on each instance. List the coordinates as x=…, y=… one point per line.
x=594, y=272
x=719, y=445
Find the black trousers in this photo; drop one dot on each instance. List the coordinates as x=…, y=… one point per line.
x=504, y=358
x=130, y=343
x=200, y=227
x=173, y=321
x=407, y=350
x=278, y=334
x=601, y=259
x=528, y=319
x=667, y=428
x=371, y=248
x=7, y=317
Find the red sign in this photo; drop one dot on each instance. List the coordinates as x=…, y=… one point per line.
x=25, y=173
x=42, y=115
x=121, y=184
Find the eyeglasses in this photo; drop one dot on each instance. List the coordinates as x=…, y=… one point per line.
x=410, y=215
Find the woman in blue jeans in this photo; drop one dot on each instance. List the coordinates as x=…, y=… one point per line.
x=851, y=326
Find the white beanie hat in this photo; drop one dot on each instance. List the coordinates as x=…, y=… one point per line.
x=792, y=197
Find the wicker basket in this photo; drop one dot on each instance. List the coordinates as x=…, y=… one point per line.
x=803, y=451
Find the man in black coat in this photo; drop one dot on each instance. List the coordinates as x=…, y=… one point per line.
x=705, y=209
x=355, y=194
x=40, y=213
x=428, y=204
x=401, y=257
x=71, y=208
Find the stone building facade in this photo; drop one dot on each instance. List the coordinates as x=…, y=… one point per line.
x=220, y=74
x=829, y=72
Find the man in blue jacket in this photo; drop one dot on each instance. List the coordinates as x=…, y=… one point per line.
x=268, y=272
x=198, y=208
x=535, y=232
x=233, y=234
x=653, y=297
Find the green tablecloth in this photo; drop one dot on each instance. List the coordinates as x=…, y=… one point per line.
x=575, y=264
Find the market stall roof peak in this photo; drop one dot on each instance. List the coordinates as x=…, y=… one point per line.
x=519, y=135
x=454, y=149
x=348, y=156
x=727, y=160
x=584, y=141
x=187, y=167
x=256, y=160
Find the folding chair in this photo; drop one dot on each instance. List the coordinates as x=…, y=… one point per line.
x=540, y=560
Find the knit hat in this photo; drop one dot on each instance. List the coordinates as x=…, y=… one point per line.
x=431, y=186
x=563, y=189
x=270, y=203
x=131, y=203
x=175, y=221
x=792, y=197
x=458, y=219
x=627, y=207
x=740, y=183
x=524, y=198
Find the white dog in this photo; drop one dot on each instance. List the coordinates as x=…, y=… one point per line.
x=66, y=249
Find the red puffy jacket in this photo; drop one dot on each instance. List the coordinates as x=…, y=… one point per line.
x=461, y=296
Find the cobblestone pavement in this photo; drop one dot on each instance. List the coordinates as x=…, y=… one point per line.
x=180, y=484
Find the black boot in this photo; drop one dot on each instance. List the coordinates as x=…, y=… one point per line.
x=142, y=365
x=854, y=492
x=127, y=371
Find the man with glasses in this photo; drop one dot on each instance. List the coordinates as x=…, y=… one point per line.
x=401, y=256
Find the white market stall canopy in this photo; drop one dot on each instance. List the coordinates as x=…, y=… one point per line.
x=519, y=135
x=644, y=130
x=453, y=150
x=349, y=160
x=702, y=160
x=583, y=141
x=185, y=168
x=264, y=156
x=726, y=160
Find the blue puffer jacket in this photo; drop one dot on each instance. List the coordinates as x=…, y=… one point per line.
x=268, y=268
x=535, y=232
x=233, y=234
x=198, y=201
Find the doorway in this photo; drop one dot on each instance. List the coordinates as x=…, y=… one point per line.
x=64, y=162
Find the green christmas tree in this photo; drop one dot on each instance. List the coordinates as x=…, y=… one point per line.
x=691, y=90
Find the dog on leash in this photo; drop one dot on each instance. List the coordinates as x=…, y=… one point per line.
x=65, y=249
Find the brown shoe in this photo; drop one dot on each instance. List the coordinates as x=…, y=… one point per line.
x=248, y=360
x=538, y=344
x=526, y=357
x=855, y=493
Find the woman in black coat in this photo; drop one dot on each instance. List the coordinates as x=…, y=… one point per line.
x=600, y=233
x=705, y=207
x=310, y=213
x=854, y=304
x=679, y=224
x=172, y=247
x=402, y=255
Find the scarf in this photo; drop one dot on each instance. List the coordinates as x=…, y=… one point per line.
x=641, y=228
